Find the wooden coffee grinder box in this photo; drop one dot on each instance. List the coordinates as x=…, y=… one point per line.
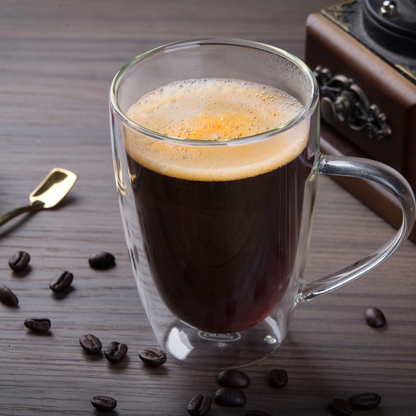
x=363, y=54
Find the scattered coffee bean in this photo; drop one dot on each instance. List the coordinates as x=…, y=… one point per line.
x=104, y=403
x=7, y=296
x=233, y=378
x=341, y=407
x=278, y=378
x=19, y=261
x=230, y=397
x=255, y=413
x=375, y=318
x=90, y=344
x=61, y=282
x=152, y=357
x=102, y=260
x=199, y=405
x=115, y=352
x=365, y=401
x=38, y=325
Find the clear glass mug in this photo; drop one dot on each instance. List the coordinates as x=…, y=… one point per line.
x=219, y=261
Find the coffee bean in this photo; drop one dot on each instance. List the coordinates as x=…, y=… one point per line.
x=255, y=413
x=152, y=357
x=365, y=401
x=7, y=296
x=90, y=344
x=19, y=261
x=199, y=405
x=38, y=325
x=61, y=281
x=115, y=352
x=278, y=378
x=104, y=403
x=102, y=260
x=230, y=397
x=233, y=378
x=375, y=318
x=341, y=407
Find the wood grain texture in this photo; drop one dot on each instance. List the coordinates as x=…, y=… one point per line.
x=57, y=59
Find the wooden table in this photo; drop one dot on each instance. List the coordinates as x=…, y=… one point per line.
x=57, y=59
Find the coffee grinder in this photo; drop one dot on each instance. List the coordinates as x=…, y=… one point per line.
x=363, y=54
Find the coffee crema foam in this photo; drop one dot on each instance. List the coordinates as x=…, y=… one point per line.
x=215, y=110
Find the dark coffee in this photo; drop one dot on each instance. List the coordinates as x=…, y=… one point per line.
x=221, y=253
x=221, y=243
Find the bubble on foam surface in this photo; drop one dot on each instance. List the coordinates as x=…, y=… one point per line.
x=213, y=110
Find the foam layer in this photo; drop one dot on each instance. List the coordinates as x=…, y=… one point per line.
x=215, y=110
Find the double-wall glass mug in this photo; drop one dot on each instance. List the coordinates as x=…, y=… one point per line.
x=216, y=158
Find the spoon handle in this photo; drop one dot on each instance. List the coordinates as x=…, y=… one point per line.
x=32, y=207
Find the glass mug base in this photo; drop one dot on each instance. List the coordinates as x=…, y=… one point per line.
x=205, y=350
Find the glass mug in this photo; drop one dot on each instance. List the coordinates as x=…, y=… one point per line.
x=217, y=241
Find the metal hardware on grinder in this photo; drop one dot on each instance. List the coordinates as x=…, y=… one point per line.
x=343, y=99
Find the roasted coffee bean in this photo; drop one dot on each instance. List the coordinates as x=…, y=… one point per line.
x=102, y=260
x=255, y=413
x=199, y=405
x=61, y=282
x=341, y=407
x=278, y=378
x=19, y=261
x=104, y=403
x=152, y=357
x=115, y=352
x=38, y=325
x=90, y=344
x=230, y=397
x=7, y=296
x=365, y=401
x=233, y=378
x=375, y=318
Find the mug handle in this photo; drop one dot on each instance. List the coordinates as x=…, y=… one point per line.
x=391, y=180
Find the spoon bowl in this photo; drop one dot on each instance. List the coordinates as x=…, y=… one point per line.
x=49, y=192
x=54, y=187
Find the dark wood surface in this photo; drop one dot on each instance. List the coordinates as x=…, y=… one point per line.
x=57, y=59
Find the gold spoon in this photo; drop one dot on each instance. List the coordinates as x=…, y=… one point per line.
x=53, y=188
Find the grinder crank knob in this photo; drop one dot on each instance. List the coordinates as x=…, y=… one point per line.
x=331, y=109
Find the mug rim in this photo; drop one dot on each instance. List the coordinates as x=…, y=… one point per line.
x=308, y=109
